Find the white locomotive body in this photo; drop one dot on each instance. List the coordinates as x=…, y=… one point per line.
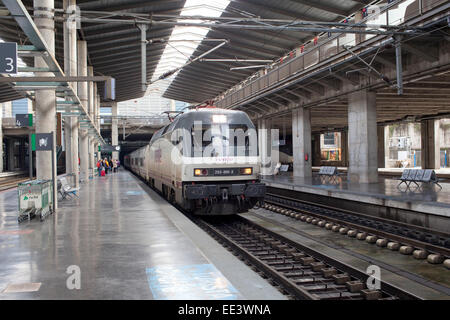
x=206, y=161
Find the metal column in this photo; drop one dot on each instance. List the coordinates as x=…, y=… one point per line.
x=114, y=130
x=143, y=28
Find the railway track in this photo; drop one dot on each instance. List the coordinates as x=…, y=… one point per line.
x=298, y=271
x=11, y=182
x=364, y=227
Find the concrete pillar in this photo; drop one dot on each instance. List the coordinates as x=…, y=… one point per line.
x=316, y=152
x=84, y=155
x=114, y=130
x=358, y=18
x=96, y=105
x=362, y=137
x=45, y=99
x=82, y=71
x=90, y=71
x=91, y=111
x=344, y=148
x=84, y=96
x=301, y=142
x=264, y=146
x=71, y=69
x=91, y=155
x=386, y=146
x=381, y=146
x=430, y=138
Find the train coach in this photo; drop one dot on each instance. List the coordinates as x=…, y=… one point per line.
x=206, y=161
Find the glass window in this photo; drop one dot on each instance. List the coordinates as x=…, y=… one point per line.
x=329, y=139
x=220, y=140
x=19, y=106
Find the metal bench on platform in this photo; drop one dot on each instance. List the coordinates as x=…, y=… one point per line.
x=418, y=175
x=329, y=172
x=66, y=190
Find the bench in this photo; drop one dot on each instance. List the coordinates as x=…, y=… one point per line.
x=329, y=172
x=418, y=175
x=66, y=190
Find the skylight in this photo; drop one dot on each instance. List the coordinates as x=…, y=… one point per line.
x=177, y=52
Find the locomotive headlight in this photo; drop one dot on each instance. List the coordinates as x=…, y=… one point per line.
x=200, y=172
x=246, y=171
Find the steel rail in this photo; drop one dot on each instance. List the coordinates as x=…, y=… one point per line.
x=244, y=236
x=386, y=235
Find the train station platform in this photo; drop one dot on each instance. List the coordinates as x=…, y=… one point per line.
x=119, y=240
x=428, y=206
x=442, y=173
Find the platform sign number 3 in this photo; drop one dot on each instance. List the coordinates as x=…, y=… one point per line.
x=8, y=57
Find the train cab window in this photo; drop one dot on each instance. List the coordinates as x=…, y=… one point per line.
x=164, y=130
x=221, y=139
x=156, y=135
x=172, y=125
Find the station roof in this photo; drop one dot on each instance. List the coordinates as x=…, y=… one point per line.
x=203, y=81
x=114, y=48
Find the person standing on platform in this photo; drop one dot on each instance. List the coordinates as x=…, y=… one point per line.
x=99, y=167
x=114, y=161
x=105, y=162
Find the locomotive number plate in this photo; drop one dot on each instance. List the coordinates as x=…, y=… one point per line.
x=225, y=172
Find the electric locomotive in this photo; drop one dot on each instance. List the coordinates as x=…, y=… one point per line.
x=206, y=161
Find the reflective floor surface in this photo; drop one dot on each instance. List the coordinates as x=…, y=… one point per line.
x=115, y=242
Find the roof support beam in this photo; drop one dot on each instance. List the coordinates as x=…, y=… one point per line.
x=323, y=7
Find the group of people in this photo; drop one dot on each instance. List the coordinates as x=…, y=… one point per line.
x=106, y=165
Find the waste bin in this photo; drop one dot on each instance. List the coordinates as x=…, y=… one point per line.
x=35, y=198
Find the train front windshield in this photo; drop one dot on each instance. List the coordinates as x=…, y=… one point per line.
x=229, y=135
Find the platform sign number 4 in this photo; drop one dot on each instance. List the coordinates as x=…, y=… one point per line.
x=8, y=57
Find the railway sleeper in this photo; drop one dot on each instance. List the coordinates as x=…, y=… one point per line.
x=286, y=269
x=280, y=262
x=324, y=288
x=262, y=252
x=312, y=280
x=297, y=275
x=339, y=295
